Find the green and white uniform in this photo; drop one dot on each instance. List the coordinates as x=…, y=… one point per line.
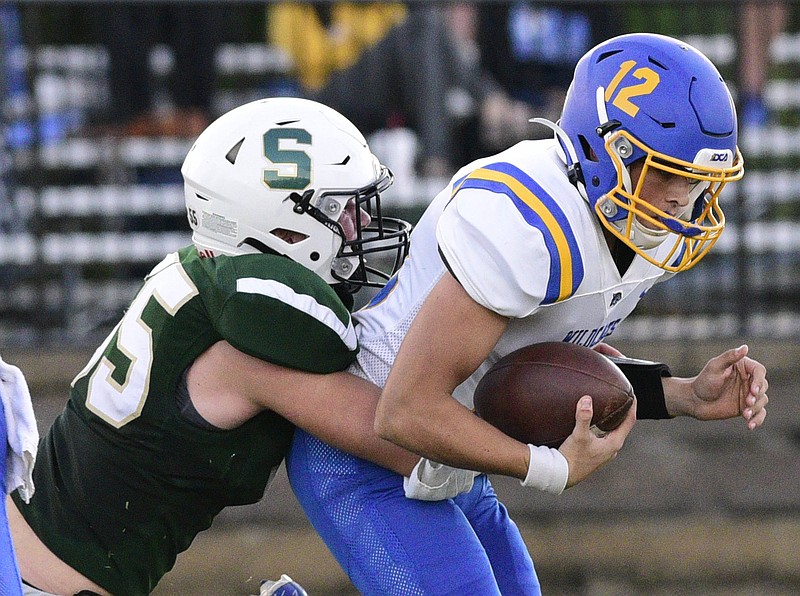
x=124, y=481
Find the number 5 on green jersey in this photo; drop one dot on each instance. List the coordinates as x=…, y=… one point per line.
x=120, y=368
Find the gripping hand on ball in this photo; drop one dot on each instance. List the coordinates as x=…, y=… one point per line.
x=584, y=450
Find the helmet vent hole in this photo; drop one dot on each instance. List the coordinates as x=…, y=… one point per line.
x=588, y=152
x=314, y=256
x=662, y=124
x=605, y=55
x=234, y=152
x=656, y=63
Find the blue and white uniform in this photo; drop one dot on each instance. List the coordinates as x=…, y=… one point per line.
x=523, y=243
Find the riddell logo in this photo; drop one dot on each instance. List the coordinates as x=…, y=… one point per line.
x=719, y=157
x=206, y=253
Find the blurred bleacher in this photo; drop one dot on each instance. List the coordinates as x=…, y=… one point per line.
x=84, y=218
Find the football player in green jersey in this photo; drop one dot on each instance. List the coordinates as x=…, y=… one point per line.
x=190, y=403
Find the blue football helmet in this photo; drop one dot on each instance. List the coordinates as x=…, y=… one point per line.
x=657, y=99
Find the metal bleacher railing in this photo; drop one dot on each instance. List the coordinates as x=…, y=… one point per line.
x=84, y=219
x=91, y=214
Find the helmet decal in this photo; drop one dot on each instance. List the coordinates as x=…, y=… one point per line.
x=298, y=162
x=622, y=98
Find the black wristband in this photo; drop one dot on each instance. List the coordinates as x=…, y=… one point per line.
x=645, y=377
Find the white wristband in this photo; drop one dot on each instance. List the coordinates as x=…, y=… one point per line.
x=548, y=470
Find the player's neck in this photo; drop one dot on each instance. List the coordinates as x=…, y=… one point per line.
x=620, y=252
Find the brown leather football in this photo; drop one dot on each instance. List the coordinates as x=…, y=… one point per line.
x=531, y=394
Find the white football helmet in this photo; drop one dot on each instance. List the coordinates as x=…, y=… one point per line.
x=276, y=175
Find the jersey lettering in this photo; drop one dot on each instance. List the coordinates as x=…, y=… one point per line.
x=119, y=385
x=591, y=337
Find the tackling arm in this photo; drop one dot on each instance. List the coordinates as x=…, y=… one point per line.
x=228, y=387
x=729, y=385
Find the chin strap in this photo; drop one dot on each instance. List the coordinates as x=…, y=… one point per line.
x=574, y=171
x=605, y=128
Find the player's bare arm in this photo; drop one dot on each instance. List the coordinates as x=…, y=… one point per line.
x=450, y=337
x=228, y=387
x=39, y=565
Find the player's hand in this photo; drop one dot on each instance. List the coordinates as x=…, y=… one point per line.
x=587, y=452
x=730, y=385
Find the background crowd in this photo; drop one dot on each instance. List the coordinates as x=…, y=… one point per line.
x=112, y=97
x=462, y=78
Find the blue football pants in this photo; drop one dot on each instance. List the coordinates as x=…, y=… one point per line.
x=390, y=545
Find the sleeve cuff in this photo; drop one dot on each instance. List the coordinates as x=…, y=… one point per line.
x=645, y=377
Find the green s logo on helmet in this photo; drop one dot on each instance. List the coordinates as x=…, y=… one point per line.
x=299, y=159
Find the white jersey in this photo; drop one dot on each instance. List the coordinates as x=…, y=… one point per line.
x=522, y=242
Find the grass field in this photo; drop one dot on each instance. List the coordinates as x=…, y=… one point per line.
x=686, y=508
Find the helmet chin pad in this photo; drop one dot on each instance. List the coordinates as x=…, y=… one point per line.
x=640, y=236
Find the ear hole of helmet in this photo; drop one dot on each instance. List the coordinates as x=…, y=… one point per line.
x=588, y=152
x=289, y=236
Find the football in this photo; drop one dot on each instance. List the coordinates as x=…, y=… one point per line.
x=531, y=394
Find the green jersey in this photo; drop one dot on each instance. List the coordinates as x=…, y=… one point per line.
x=124, y=481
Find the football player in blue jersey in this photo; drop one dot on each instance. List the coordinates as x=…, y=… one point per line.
x=550, y=240
x=190, y=403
